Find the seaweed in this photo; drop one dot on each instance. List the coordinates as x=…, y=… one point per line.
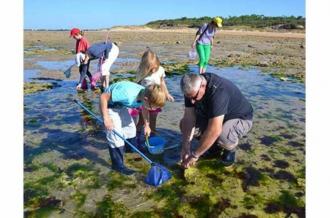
x=107, y=208
x=287, y=203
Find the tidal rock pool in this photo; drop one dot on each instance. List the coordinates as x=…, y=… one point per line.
x=67, y=171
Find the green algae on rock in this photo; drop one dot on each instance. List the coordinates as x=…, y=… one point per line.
x=191, y=174
x=176, y=68
x=32, y=87
x=118, y=79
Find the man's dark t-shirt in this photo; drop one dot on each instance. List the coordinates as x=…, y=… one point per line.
x=221, y=97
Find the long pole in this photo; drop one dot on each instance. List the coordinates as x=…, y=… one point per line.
x=119, y=135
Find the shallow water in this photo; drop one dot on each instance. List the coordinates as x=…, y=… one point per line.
x=56, y=131
x=29, y=74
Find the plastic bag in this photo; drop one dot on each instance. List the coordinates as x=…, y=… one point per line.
x=192, y=54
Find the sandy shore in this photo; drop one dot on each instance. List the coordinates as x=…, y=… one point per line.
x=279, y=53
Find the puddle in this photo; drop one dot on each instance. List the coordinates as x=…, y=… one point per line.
x=29, y=75
x=39, y=47
x=55, y=65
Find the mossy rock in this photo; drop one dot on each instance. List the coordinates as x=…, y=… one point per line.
x=191, y=174
x=119, y=79
x=32, y=87
x=176, y=68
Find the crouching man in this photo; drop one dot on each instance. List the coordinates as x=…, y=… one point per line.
x=216, y=113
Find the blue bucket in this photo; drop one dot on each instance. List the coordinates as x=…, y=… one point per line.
x=156, y=145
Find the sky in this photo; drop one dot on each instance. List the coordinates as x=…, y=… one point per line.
x=93, y=14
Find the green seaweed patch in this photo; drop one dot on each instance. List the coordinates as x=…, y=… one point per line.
x=199, y=205
x=131, y=72
x=29, y=167
x=119, y=79
x=281, y=75
x=49, y=180
x=33, y=194
x=47, y=207
x=32, y=87
x=53, y=167
x=45, y=52
x=117, y=180
x=79, y=198
x=77, y=169
x=108, y=208
x=171, y=193
x=209, y=166
x=172, y=69
x=287, y=203
x=143, y=214
x=81, y=175
x=36, y=199
x=249, y=202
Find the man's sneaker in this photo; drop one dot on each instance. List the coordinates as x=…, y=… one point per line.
x=228, y=157
x=124, y=170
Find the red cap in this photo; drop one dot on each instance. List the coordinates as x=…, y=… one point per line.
x=74, y=31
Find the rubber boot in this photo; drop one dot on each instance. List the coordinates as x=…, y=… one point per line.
x=93, y=83
x=117, y=159
x=84, y=84
x=228, y=157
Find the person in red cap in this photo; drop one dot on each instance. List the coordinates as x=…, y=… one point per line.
x=82, y=45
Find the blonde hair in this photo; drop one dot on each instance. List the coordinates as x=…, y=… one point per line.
x=156, y=95
x=149, y=61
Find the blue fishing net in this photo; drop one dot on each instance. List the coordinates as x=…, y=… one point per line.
x=157, y=175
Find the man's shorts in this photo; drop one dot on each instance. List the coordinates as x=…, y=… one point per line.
x=232, y=131
x=123, y=124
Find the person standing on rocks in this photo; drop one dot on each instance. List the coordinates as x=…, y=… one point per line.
x=204, y=41
x=82, y=45
x=107, y=52
x=216, y=113
x=150, y=72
